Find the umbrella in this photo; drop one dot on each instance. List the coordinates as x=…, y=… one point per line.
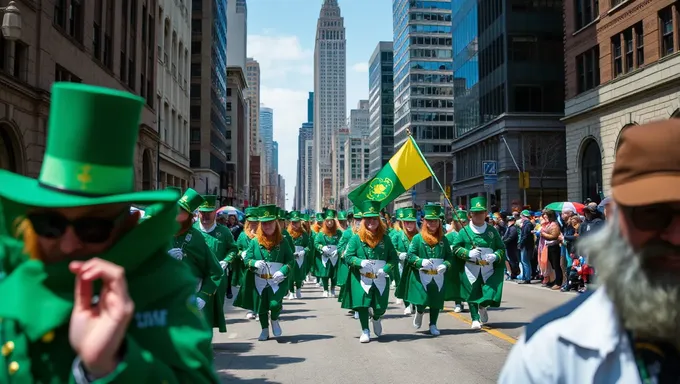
x=229, y=210
x=566, y=206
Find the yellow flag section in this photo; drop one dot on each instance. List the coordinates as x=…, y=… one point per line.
x=405, y=169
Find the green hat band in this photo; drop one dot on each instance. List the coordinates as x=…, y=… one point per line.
x=90, y=179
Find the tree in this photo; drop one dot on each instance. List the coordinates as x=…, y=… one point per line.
x=543, y=152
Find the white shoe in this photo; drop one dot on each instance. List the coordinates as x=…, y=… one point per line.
x=276, y=328
x=377, y=327
x=332, y=294
x=298, y=294
x=408, y=311
x=393, y=284
x=370, y=311
x=458, y=309
x=264, y=335
x=434, y=331
x=483, y=315
x=418, y=320
x=250, y=315
x=476, y=325
x=318, y=285
x=365, y=336
x=356, y=315
x=291, y=296
x=326, y=294
x=399, y=302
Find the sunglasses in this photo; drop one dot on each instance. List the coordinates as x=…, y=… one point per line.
x=655, y=217
x=93, y=230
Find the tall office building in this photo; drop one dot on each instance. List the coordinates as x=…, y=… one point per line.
x=423, y=88
x=330, y=96
x=356, y=159
x=308, y=203
x=237, y=33
x=267, y=138
x=310, y=107
x=208, y=93
x=381, y=106
x=509, y=85
x=306, y=133
x=358, y=119
x=275, y=157
x=338, y=141
x=253, y=101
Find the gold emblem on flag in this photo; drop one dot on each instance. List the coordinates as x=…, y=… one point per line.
x=380, y=189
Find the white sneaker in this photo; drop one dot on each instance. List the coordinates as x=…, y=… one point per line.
x=458, y=309
x=326, y=294
x=434, y=331
x=356, y=315
x=393, y=284
x=332, y=294
x=318, y=285
x=377, y=327
x=276, y=328
x=399, y=301
x=409, y=310
x=365, y=336
x=483, y=315
x=418, y=320
x=298, y=294
x=291, y=296
x=250, y=315
x=476, y=325
x=264, y=335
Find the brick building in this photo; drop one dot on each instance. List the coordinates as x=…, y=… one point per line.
x=622, y=68
x=91, y=42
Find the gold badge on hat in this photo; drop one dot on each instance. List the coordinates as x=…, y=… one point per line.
x=84, y=176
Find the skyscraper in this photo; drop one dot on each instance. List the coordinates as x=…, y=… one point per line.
x=423, y=88
x=381, y=106
x=267, y=137
x=310, y=108
x=237, y=33
x=330, y=95
x=253, y=96
x=358, y=119
x=301, y=191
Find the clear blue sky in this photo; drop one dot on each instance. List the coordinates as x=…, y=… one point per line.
x=281, y=38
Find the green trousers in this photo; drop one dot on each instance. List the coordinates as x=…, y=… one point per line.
x=364, y=316
x=434, y=313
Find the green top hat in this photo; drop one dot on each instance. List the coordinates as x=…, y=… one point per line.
x=251, y=213
x=408, y=214
x=295, y=216
x=209, y=203
x=370, y=208
x=342, y=215
x=268, y=213
x=281, y=214
x=190, y=200
x=305, y=216
x=318, y=217
x=90, y=152
x=432, y=211
x=462, y=215
x=357, y=212
x=331, y=214
x=478, y=204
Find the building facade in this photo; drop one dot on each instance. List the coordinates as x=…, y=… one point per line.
x=381, y=106
x=310, y=107
x=253, y=97
x=423, y=92
x=622, y=64
x=339, y=138
x=237, y=33
x=238, y=137
x=77, y=46
x=356, y=161
x=208, y=97
x=330, y=96
x=358, y=119
x=308, y=175
x=508, y=105
x=174, y=40
x=267, y=140
x=305, y=133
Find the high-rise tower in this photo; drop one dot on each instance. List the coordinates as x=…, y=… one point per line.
x=330, y=96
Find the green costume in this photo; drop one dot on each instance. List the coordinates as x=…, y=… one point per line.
x=221, y=242
x=89, y=160
x=242, y=243
x=481, y=270
x=309, y=256
x=265, y=285
x=301, y=247
x=347, y=234
x=401, y=245
x=327, y=256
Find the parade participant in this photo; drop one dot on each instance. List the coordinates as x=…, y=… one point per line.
x=76, y=307
x=397, y=222
x=309, y=256
x=460, y=221
x=342, y=220
x=318, y=221
x=190, y=247
x=402, y=241
x=301, y=249
x=270, y=261
x=282, y=225
x=243, y=242
x=343, y=268
x=370, y=256
x=326, y=244
x=480, y=248
x=221, y=242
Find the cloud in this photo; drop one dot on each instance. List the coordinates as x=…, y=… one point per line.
x=281, y=58
x=360, y=67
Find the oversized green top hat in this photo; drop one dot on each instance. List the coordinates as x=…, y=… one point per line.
x=478, y=204
x=408, y=214
x=331, y=214
x=462, y=215
x=281, y=214
x=342, y=215
x=370, y=208
x=268, y=213
x=398, y=213
x=318, y=217
x=251, y=214
x=90, y=152
x=208, y=204
x=295, y=216
x=357, y=212
x=190, y=200
x=432, y=211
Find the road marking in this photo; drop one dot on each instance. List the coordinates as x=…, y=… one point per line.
x=232, y=335
x=493, y=332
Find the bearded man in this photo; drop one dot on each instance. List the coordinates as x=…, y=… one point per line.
x=326, y=244
x=301, y=248
x=402, y=241
x=628, y=330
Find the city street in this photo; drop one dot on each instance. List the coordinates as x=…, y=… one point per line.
x=320, y=343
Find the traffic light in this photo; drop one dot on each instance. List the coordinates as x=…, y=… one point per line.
x=448, y=191
x=524, y=180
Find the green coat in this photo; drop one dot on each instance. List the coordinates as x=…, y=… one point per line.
x=453, y=274
x=239, y=269
x=343, y=269
x=310, y=257
x=321, y=240
x=300, y=271
x=166, y=341
x=354, y=296
x=206, y=269
x=485, y=293
x=401, y=244
x=221, y=242
x=248, y=296
x=412, y=289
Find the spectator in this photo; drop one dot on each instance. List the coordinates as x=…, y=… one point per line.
x=510, y=238
x=526, y=247
x=551, y=268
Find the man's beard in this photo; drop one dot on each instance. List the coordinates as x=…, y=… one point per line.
x=646, y=297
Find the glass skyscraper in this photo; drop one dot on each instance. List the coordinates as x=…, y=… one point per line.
x=381, y=106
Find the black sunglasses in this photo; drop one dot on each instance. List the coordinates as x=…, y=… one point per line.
x=655, y=217
x=88, y=229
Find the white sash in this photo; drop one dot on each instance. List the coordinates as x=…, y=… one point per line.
x=199, y=284
x=369, y=277
x=299, y=258
x=325, y=256
x=429, y=274
x=264, y=280
x=472, y=270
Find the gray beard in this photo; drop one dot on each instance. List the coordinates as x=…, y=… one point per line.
x=646, y=298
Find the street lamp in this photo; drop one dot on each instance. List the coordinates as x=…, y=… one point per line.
x=11, y=22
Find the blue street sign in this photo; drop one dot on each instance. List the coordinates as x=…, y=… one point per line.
x=413, y=193
x=490, y=171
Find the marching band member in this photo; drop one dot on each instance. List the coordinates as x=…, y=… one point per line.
x=402, y=242
x=302, y=248
x=243, y=242
x=326, y=244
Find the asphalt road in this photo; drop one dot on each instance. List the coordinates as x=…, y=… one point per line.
x=320, y=343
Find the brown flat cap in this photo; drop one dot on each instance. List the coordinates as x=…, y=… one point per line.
x=647, y=166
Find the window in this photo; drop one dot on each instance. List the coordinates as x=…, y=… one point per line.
x=97, y=30
x=195, y=69
x=616, y=55
x=523, y=48
x=195, y=135
x=195, y=47
x=586, y=12
x=666, y=29
x=21, y=61
x=61, y=74
x=617, y=2
x=639, y=44
x=228, y=107
x=588, y=69
x=528, y=98
x=195, y=112
x=195, y=90
x=196, y=26
x=75, y=20
x=60, y=13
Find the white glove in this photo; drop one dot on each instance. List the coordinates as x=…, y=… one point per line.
x=301, y=253
x=365, y=263
x=176, y=253
x=402, y=256
x=426, y=263
x=223, y=264
x=325, y=249
x=475, y=254
x=334, y=253
x=243, y=254
x=278, y=277
x=200, y=303
x=441, y=269
x=260, y=265
x=490, y=258
x=380, y=273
